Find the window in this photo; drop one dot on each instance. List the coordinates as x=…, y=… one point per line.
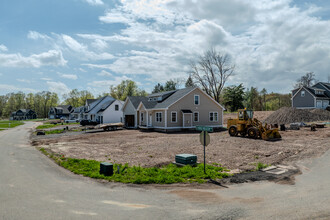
x=302, y=93
x=116, y=107
x=196, y=116
x=158, y=117
x=196, y=99
x=173, y=117
x=213, y=116
x=142, y=116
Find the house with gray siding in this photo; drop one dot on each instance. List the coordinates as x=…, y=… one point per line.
x=317, y=96
x=173, y=110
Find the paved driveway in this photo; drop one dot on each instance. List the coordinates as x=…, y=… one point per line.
x=33, y=187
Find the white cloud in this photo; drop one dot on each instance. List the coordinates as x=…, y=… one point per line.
x=46, y=79
x=68, y=76
x=24, y=80
x=49, y=58
x=104, y=85
x=11, y=88
x=58, y=87
x=100, y=44
x=82, y=50
x=271, y=41
x=104, y=73
x=73, y=44
x=94, y=2
x=3, y=48
x=34, y=35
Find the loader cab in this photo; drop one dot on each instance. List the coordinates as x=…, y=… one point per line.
x=244, y=114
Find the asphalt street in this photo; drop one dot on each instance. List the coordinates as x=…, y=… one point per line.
x=34, y=187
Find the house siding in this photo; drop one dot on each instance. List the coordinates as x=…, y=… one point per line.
x=206, y=105
x=112, y=116
x=308, y=101
x=129, y=109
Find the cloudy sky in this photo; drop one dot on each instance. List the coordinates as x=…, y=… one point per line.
x=92, y=44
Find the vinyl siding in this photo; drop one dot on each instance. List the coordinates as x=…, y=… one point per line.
x=303, y=102
x=206, y=105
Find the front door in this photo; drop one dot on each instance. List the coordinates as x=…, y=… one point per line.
x=187, y=120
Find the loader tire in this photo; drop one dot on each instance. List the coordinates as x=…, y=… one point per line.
x=252, y=133
x=232, y=130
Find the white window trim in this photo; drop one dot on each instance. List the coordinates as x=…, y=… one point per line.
x=161, y=117
x=214, y=117
x=197, y=117
x=199, y=101
x=176, y=117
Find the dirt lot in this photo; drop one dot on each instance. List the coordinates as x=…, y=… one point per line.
x=155, y=149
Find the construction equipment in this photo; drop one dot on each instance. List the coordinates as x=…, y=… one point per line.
x=245, y=124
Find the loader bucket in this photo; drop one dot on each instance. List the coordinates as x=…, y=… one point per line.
x=271, y=135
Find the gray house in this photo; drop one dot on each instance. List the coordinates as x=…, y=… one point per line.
x=173, y=110
x=317, y=96
x=60, y=112
x=23, y=114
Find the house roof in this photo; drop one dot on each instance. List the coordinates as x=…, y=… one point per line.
x=135, y=100
x=101, y=103
x=65, y=108
x=24, y=111
x=106, y=105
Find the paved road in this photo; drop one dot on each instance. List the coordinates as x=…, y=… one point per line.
x=33, y=187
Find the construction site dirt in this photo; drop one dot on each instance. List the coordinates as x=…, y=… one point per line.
x=149, y=149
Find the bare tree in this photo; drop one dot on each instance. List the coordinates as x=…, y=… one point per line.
x=211, y=72
x=306, y=80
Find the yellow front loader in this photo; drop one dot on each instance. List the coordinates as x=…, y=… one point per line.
x=245, y=124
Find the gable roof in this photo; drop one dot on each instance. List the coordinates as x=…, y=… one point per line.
x=101, y=103
x=65, y=109
x=169, y=98
x=135, y=100
x=106, y=105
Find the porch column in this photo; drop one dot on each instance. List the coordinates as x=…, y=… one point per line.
x=147, y=116
x=166, y=118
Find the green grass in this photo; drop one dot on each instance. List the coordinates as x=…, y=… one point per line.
x=138, y=175
x=10, y=124
x=2, y=129
x=57, y=131
x=261, y=166
x=48, y=125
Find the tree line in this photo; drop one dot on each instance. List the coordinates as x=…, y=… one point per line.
x=210, y=71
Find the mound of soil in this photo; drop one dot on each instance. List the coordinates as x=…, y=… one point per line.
x=287, y=115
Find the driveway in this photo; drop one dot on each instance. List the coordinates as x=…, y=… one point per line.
x=33, y=187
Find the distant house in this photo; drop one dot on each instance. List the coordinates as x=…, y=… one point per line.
x=78, y=113
x=103, y=110
x=23, y=114
x=61, y=111
x=173, y=110
x=317, y=96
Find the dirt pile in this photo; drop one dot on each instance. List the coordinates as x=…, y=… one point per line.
x=287, y=115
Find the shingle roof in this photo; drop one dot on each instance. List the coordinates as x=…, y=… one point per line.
x=174, y=97
x=136, y=100
x=65, y=108
x=106, y=105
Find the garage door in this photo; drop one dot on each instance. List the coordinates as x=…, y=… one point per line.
x=318, y=104
x=129, y=121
